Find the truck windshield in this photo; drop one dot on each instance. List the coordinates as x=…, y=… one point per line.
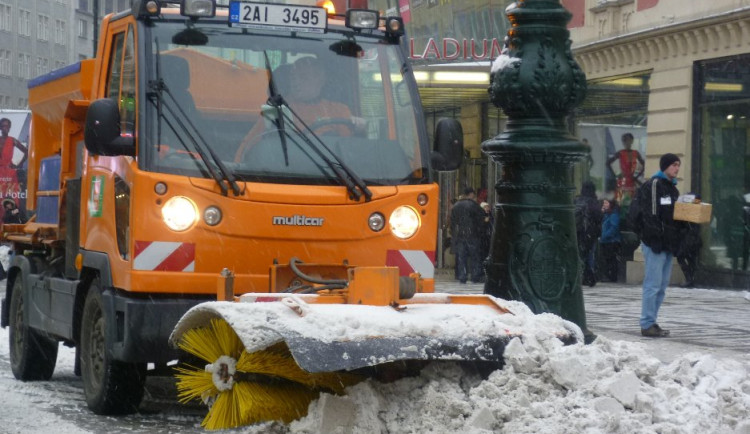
x=279, y=107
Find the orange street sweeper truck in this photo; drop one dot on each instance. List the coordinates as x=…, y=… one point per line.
x=248, y=189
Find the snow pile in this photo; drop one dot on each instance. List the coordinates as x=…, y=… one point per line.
x=4, y=257
x=608, y=386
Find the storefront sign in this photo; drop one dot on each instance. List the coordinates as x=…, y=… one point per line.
x=404, y=11
x=453, y=49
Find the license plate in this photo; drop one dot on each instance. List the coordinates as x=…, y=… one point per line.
x=275, y=16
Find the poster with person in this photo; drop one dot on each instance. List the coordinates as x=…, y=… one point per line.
x=14, y=137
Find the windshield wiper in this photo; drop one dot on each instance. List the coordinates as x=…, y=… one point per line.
x=276, y=100
x=354, y=184
x=185, y=125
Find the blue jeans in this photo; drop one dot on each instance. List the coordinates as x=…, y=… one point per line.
x=657, y=273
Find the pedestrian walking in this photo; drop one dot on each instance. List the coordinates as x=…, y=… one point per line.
x=466, y=232
x=488, y=223
x=588, y=216
x=611, y=239
x=660, y=239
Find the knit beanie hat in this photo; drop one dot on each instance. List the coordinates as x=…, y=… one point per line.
x=667, y=160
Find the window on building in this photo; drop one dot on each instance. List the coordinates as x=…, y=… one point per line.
x=60, y=33
x=83, y=5
x=42, y=28
x=5, y=18
x=24, y=23
x=82, y=28
x=6, y=67
x=722, y=146
x=615, y=109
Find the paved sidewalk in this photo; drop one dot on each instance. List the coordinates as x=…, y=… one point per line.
x=706, y=320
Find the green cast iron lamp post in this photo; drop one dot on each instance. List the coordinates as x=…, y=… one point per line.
x=537, y=83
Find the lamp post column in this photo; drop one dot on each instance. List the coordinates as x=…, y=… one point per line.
x=537, y=83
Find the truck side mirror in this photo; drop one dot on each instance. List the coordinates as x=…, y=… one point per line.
x=448, y=152
x=102, y=131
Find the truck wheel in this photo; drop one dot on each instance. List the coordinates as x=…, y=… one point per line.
x=110, y=386
x=32, y=355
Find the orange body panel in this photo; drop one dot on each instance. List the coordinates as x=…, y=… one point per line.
x=246, y=241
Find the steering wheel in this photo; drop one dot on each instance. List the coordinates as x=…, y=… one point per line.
x=181, y=159
x=345, y=122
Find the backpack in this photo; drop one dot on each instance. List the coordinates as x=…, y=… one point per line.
x=580, y=213
x=588, y=224
x=639, y=206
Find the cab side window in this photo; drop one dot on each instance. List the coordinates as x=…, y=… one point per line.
x=121, y=79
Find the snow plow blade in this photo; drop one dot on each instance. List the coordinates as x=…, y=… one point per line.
x=269, y=355
x=333, y=337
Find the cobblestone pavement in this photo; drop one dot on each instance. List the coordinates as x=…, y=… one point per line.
x=711, y=320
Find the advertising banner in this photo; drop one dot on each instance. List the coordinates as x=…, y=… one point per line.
x=14, y=138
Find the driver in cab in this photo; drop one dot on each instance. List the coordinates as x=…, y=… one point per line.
x=302, y=90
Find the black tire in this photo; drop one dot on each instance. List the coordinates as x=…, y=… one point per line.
x=32, y=355
x=111, y=386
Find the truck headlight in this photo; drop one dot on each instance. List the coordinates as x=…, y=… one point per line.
x=179, y=213
x=404, y=222
x=198, y=8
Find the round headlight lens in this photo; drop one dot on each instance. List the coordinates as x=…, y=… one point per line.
x=376, y=222
x=404, y=222
x=179, y=213
x=212, y=216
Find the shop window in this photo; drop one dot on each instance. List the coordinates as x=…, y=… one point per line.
x=722, y=146
x=613, y=117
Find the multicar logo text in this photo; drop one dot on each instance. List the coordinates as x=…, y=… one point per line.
x=298, y=220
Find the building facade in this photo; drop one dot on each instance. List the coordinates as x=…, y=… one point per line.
x=674, y=74
x=677, y=75
x=39, y=36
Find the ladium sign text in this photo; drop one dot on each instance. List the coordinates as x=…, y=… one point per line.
x=453, y=49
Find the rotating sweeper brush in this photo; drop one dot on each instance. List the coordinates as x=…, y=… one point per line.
x=270, y=354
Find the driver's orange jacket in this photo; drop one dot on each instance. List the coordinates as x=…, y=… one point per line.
x=310, y=113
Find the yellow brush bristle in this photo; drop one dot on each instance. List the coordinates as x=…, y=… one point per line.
x=194, y=383
x=277, y=361
x=262, y=402
x=210, y=343
x=249, y=402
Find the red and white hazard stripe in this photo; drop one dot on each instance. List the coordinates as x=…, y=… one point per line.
x=412, y=261
x=164, y=256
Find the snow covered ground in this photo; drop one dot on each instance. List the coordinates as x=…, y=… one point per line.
x=612, y=386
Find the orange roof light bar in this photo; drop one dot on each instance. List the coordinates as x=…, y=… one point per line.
x=328, y=5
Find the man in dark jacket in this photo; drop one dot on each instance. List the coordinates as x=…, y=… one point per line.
x=12, y=214
x=661, y=239
x=588, y=215
x=466, y=232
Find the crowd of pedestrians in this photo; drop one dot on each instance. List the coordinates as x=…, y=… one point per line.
x=599, y=226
